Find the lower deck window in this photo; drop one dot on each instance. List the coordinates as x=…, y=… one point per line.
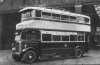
x=80, y=38
x=65, y=38
x=73, y=37
x=30, y=35
x=56, y=38
x=46, y=37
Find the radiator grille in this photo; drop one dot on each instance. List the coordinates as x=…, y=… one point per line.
x=17, y=47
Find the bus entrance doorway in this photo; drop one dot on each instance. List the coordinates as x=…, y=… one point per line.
x=9, y=21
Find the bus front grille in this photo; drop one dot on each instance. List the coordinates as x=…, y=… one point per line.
x=17, y=47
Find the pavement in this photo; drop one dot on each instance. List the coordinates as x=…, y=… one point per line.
x=93, y=57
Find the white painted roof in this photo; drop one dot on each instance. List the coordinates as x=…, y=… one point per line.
x=53, y=11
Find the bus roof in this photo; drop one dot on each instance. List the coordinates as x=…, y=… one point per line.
x=53, y=11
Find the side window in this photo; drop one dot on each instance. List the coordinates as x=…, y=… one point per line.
x=73, y=37
x=38, y=13
x=64, y=17
x=65, y=38
x=86, y=20
x=80, y=36
x=46, y=37
x=46, y=15
x=56, y=16
x=28, y=14
x=56, y=38
x=27, y=35
x=80, y=19
x=72, y=18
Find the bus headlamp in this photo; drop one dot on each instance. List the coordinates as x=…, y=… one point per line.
x=13, y=48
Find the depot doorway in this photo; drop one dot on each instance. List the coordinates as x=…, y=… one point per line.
x=9, y=21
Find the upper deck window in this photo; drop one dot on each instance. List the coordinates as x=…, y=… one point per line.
x=64, y=17
x=56, y=16
x=72, y=18
x=46, y=15
x=27, y=14
x=38, y=13
x=86, y=20
x=80, y=19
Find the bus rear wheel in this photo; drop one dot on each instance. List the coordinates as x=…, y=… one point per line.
x=30, y=56
x=78, y=53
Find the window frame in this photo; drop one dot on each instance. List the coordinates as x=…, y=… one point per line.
x=73, y=20
x=29, y=35
x=57, y=17
x=74, y=38
x=45, y=34
x=86, y=22
x=65, y=19
x=61, y=35
x=66, y=40
x=56, y=40
x=39, y=12
x=26, y=13
x=81, y=34
x=46, y=16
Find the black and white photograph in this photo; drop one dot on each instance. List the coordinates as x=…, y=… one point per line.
x=49, y=32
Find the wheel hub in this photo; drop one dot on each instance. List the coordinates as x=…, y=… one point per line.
x=30, y=57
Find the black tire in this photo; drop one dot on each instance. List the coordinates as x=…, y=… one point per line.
x=30, y=56
x=78, y=53
x=16, y=57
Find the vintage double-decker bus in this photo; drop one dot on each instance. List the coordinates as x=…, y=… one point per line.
x=45, y=31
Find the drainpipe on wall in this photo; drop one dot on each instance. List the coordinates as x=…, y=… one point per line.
x=78, y=7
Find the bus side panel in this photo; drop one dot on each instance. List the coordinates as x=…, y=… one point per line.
x=55, y=48
x=62, y=48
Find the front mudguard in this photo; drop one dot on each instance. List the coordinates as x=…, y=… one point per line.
x=29, y=48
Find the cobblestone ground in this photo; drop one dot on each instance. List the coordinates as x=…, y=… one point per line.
x=93, y=57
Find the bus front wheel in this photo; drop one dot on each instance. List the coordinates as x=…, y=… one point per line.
x=78, y=53
x=30, y=56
